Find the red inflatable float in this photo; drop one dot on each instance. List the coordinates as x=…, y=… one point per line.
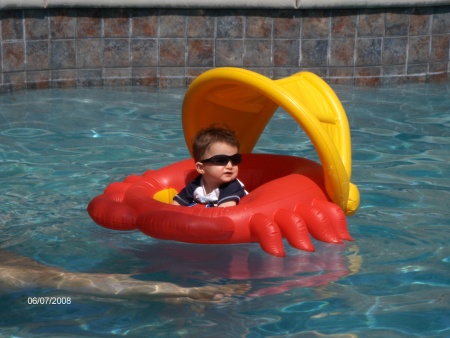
x=286, y=199
x=289, y=197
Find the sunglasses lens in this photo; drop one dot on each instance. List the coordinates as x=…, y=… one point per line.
x=224, y=159
x=216, y=160
x=236, y=159
x=220, y=159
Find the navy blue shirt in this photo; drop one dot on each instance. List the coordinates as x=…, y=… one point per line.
x=194, y=192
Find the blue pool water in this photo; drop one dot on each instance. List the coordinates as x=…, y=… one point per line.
x=59, y=148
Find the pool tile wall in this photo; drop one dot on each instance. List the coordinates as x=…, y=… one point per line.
x=43, y=48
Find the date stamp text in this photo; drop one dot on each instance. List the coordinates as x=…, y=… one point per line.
x=49, y=300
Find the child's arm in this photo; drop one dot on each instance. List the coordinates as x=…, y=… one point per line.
x=227, y=204
x=186, y=195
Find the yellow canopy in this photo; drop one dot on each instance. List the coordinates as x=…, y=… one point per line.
x=246, y=101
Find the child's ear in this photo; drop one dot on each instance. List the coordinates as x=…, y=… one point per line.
x=200, y=167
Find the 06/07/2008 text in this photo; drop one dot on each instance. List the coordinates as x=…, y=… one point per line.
x=49, y=300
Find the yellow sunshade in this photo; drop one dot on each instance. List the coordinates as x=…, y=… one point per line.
x=246, y=101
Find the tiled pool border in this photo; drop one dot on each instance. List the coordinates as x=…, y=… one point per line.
x=44, y=48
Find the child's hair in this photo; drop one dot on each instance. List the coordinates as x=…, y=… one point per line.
x=214, y=133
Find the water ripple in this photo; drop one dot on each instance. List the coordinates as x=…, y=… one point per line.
x=25, y=132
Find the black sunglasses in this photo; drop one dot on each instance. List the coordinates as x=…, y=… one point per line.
x=224, y=159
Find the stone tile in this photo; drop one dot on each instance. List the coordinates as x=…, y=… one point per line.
x=341, y=72
x=261, y=70
x=117, y=76
x=321, y=72
x=89, y=53
x=172, y=77
x=417, y=73
x=440, y=48
x=371, y=23
x=172, y=24
x=36, y=25
x=144, y=23
x=286, y=53
x=172, y=82
x=147, y=76
x=11, y=25
x=200, y=53
x=172, y=52
x=392, y=80
x=257, y=53
x=341, y=75
x=13, y=57
x=287, y=24
x=62, y=54
x=282, y=72
x=394, y=70
x=438, y=67
x=62, y=23
x=144, y=52
x=116, y=53
x=418, y=49
x=38, y=80
x=342, y=52
x=438, y=72
x=63, y=78
x=368, y=76
x=37, y=55
x=420, y=21
x=14, y=81
x=397, y=22
x=229, y=53
x=193, y=72
x=230, y=25
x=315, y=24
x=200, y=24
x=89, y=23
x=343, y=23
x=258, y=27
x=341, y=81
x=417, y=69
x=394, y=50
x=368, y=52
x=314, y=53
x=89, y=77
x=441, y=20
x=173, y=72
x=116, y=23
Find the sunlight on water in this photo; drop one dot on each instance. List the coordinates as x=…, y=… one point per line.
x=60, y=148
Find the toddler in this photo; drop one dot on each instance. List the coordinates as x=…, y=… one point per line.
x=216, y=153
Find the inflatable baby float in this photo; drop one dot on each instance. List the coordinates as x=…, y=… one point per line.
x=289, y=197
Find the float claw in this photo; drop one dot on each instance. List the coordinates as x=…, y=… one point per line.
x=268, y=234
x=294, y=229
x=336, y=216
x=319, y=226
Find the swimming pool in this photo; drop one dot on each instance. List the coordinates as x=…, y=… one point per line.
x=59, y=148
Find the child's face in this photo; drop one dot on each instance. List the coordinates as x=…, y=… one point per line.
x=215, y=175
